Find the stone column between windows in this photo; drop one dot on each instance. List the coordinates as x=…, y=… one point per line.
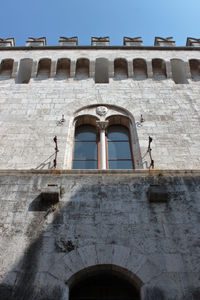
x=102, y=127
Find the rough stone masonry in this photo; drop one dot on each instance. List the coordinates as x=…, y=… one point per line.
x=60, y=226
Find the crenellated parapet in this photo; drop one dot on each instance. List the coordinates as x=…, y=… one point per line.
x=100, y=42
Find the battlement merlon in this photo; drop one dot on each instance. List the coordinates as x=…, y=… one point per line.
x=164, y=42
x=9, y=42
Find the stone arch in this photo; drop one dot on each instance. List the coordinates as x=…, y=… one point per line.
x=131, y=284
x=83, y=259
x=63, y=68
x=139, y=69
x=44, y=68
x=195, y=69
x=159, y=69
x=6, y=68
x=120, y=69
x=82, y=68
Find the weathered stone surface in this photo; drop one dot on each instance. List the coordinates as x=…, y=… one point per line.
x=104, y=218
x=156, y=248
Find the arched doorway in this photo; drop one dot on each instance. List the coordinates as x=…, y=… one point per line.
x=103, y=284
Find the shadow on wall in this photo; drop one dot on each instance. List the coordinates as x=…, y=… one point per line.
x=82, y=219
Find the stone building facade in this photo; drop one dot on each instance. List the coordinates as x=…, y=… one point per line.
x=78, y=219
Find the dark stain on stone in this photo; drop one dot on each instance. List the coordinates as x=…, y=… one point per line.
x=154, y=294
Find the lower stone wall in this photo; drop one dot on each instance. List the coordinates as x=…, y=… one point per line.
x=103, y=219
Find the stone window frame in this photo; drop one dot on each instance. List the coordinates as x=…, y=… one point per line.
x=118, y=115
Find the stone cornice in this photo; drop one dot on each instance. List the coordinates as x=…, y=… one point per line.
x=134, y=173
x=159, y=48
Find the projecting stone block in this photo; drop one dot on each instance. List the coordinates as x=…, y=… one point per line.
x=157, y=193
x=72, y=41
x=100, y=41
x=164, y=42
x=9, y=42
x=50, y=194
x=193, y=42
x=36, y=42
x=137, y=41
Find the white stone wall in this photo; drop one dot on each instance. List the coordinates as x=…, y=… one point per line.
x=29, y=112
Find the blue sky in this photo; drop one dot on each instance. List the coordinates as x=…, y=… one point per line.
x=86, y=18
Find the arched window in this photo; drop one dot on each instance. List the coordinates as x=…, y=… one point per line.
x=63, y=68
x=159, y=69
x=82, y=68
x=139, y=69
x=195, y=69
x=6, y=68
x=97, y=146
x=119, y=150
x=85, y=148
x=44, y=68
x=120, y=69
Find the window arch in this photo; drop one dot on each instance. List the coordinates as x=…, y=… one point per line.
x=102, y=144
x=159, y=69
x=120, y=69
x=44, y=68
x=195, y=69
x=139, y=69
x=63, y=68
x=6, y=68
x=82, y=68
x=119, y=154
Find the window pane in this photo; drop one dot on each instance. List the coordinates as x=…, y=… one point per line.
x=120, y=164
x=117, y=132
x=118, y=150
x=86, y=133
x=84, y=164
x=85, y=150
